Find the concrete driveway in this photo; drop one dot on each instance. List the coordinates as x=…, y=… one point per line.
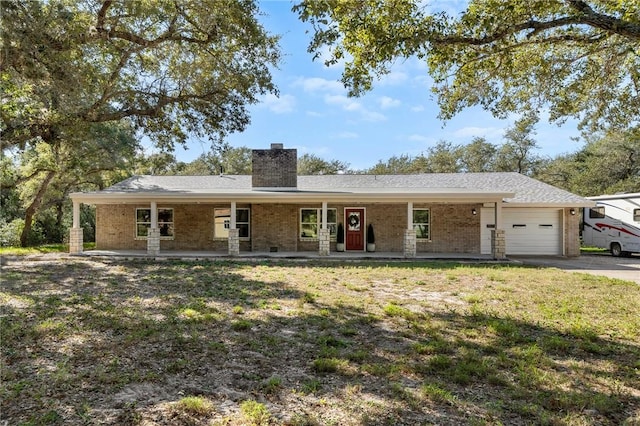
x=624, y=268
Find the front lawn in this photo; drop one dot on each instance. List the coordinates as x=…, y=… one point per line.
x=312, y=343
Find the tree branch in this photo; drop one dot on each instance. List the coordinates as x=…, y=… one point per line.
x=605, y=22
x=586, y=16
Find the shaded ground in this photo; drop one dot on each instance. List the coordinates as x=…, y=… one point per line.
x=304, y=343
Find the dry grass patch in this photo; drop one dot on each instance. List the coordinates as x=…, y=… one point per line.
x=304, y=343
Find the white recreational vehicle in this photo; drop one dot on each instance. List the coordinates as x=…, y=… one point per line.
x=614, y=223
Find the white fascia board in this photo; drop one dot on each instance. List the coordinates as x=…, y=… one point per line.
x=615, y=196
x=549, y=205
x=288, y=197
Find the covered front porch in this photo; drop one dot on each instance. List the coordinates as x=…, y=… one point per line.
x=273, y=224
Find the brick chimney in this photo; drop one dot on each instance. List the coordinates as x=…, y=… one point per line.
x=274, y=168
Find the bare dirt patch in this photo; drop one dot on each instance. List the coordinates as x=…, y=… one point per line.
x=190, y=343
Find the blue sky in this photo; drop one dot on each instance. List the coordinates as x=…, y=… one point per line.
x=399, y=116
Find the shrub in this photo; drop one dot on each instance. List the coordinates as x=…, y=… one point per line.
x=10, y=232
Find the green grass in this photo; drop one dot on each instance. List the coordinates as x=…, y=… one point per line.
x=42, y=249
x=255, y=413
x=195, y=405
x=585, y=249
x=235, y=343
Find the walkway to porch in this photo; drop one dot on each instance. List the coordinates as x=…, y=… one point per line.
x=350, y=256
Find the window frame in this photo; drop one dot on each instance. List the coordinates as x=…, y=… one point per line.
x=247, y=223
x=171, y=224
x=597, y=212
x=636, y=215
x=428, y=224
x=333, y=226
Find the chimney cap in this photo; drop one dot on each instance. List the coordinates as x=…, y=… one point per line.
x=277, y=146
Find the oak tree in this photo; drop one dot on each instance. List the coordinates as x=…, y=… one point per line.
x=171, y=68
x=574, y=58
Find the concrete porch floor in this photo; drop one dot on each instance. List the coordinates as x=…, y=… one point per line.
x=212, y=255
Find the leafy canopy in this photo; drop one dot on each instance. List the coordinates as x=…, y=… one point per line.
x=575, y=58
x=170, y=68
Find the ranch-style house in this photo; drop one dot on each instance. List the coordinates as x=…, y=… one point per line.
x=275, y=210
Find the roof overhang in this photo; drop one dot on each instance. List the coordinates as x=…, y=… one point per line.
x=450, y=195
x=622, y=196
x=576, y=205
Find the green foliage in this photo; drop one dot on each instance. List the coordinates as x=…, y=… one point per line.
x=171, y=69
x=10, y=232
x=309, y=164
x=80, y=81
x=574, y=58
x=609, y=163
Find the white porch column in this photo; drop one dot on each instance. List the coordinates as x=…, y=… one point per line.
x=498, y=242
x=409, y=234
x=75, y=233
x=232, y=219
x=324, y=237
x=153, y=236
x=234, y=232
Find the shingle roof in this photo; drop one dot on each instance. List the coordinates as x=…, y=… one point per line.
x=526, y=189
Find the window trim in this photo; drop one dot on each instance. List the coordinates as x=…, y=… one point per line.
x=414, y=223
x=248, y=222
x=597, y=212
x=636, y=215
x=332, y=237
x=162, y=237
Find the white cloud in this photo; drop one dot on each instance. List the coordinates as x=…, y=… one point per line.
x=419, y=138
x=336, y=99
x=387, y=102
x=373, y=116
x=315, y=114
x=486, y=132
x=347, y=135
x=348, y=104
x=279, y=105
x=394, y=78
x=316, y=84
x=417, y=108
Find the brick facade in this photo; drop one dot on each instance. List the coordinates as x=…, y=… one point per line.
x=571, y=233
x=275, y=227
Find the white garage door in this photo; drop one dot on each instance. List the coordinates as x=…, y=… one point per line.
x=527, y=231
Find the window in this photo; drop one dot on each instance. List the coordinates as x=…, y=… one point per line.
x=165, y=223
x=311, y=221
x=636, y=215
x=596, y=213
x=421, y=219
x=222, y=222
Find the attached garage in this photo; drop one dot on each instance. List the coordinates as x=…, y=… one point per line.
x=532, y=231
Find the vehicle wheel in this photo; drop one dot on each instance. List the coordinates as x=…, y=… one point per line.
x=616, y=250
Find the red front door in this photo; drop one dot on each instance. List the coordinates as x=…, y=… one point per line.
x=354, y=238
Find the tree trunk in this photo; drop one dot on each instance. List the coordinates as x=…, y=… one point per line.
x=33, y=208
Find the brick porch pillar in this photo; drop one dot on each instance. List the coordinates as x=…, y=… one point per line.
x=153, y=241
x=76, y=238
x=153, y=235
x=409, y=243
x=324, y=242
x=498, y=244
x=324, y=234
x=234, y=242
